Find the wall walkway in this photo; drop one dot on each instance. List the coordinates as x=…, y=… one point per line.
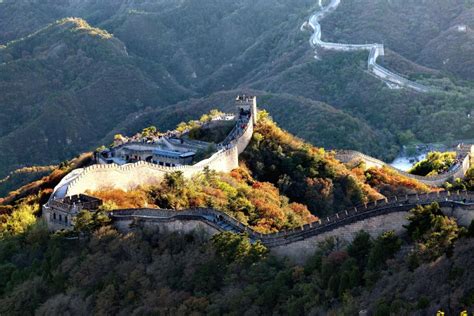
x=393, y=80
x=375, y=218
x=131, y=175
x=464, y=154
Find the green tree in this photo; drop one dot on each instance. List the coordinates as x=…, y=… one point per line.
x=406, y=137
x=385, y=247
x=421, y=219
x=238, y=248
x=22, y=217
x=174, y=180
x=149, y=131
x=88, y=221
x=434, y=232
x=435, y=163
x=360, y=248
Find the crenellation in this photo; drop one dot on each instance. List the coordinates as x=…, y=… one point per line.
x=376, y=217
x=142, y=172
x=464, y=154
x=375, y=50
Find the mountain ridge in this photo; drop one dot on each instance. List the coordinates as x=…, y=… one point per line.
x=230, y=50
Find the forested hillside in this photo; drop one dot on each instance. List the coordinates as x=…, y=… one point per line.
x=424, y=32
x=283, y=183
x=65, y=86
x=151, y=272
x=143, y=61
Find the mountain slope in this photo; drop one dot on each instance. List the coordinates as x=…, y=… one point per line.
x=323, y=126
x=65, y=86
x=452, y=51
x=163, y=52
x=158, y=271
x=411, y=28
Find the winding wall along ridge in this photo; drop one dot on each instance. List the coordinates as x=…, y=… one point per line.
x=463, y=154
x=375, y=50
x=131, y=175
x=223, y=222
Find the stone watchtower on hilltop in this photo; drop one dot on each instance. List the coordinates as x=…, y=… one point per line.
x=248, y=104
x=69, y=199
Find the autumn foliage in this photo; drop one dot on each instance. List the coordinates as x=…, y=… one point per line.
x=390, y=183
x=257, y=204
x=304, y=173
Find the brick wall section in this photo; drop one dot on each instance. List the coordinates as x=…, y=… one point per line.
x=298, y=244
x=375, y=50
x=464, y=154
x=128, y=176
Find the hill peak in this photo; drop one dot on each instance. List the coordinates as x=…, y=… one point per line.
x=61, y=38
x=78, y=24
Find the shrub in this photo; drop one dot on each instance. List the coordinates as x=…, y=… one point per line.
x=435, y=163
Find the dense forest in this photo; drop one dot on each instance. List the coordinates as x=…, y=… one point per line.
x=280, y=182
x=149, y=272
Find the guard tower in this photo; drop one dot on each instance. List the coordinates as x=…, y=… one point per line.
x=248, y=104
x=61, y=213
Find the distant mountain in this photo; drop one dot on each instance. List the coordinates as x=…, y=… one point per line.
x=65, y=86
x=21, y=177
x=452, y=51
x=68, y=86
x=327, y=125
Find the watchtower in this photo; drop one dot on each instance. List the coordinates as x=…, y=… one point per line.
x=61, y=213
x=248, y=104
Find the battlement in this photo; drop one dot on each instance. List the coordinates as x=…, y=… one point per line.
x=464, y=154
x=299, y=243
x=78, y=202
x=391, y=79
x=131, y=175
x=248, y=104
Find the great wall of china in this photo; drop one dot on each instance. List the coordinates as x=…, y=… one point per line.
x=376, y=217
x=463, y=153
x=59, y=215
x=300, y=243
x=392, y=80
x=131, y=175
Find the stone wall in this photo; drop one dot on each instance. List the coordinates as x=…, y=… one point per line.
x=129, y=176
x=375, y=50
x=179, y=226
x=300, y=251
x=299, y=243
x=56, y=223
x=465, y=153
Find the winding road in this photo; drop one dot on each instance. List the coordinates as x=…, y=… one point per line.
x=393, y=80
